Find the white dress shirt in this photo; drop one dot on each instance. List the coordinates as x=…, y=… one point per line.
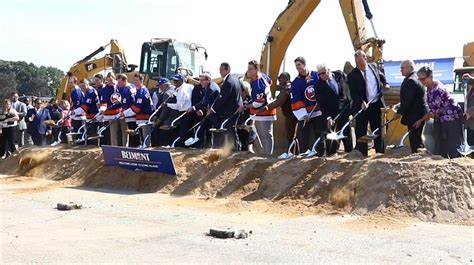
x=183, y=98
x=372, y=85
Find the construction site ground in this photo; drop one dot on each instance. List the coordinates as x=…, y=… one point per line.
x=392, y=208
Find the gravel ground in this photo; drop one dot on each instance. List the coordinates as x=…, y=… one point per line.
x=115, y=227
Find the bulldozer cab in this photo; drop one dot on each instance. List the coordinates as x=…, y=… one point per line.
x=165, y=57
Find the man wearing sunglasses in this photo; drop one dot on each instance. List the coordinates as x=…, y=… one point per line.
x=333, y=96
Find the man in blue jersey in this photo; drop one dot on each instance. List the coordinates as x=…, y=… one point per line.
x=77, y=97
x=141, y=108
x=306, y=108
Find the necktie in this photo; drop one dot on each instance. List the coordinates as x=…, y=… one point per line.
x=366, y=84
x=333, y=86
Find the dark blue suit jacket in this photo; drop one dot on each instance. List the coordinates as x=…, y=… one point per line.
x=358, y=89
x=36, y=125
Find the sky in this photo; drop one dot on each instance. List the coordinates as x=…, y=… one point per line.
x=59, y=33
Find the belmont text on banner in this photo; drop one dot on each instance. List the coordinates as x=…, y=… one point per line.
x=139, y=159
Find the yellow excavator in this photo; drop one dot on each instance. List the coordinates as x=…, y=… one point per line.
x=159, y=57
x=90, y=66
x=288, y=23
x=295, y=15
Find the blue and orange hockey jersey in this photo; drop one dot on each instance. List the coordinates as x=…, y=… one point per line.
x=77, y=98
x=90, y=105
x=262, y=96
x=108, y=95
x=141, y=106
x=303, y=96
x=128, y=96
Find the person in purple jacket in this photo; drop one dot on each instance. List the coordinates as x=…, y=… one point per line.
x=445, y=111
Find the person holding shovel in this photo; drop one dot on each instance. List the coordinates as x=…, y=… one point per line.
x=445, y=111
x=412, y=104
x=306, y=108
x=366, y=84
x=333, y=96
x=261, y=96
x=469, y=112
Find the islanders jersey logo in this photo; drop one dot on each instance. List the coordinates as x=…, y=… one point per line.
x=115, y=98
x=310, y=93
x=260, y=98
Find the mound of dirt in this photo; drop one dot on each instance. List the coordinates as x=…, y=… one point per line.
x=428, y=187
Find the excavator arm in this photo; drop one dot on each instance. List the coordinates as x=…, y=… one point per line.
x=290, y=20
x=89, y=66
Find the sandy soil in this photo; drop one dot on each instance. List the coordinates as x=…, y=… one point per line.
x=396, y=184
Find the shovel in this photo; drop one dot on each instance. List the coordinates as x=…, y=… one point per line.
x=295, y=141
x=313, y=152
x=159, y=108
x=245, y=125
x=192, y=140
x=465, y=149
x=58, y=141
x=404, y=137
x=289, y=154
x=82, y=130
x=293, y=145
x=172, y=125
x=372, y=136
x=58, y=124
x=335, y=136
x=173, y=144
x=195, y=139
x=221, y=128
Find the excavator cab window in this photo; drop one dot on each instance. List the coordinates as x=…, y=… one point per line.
x=164, y=58
x=172, y=62
x=186, y=56
x=153, y=59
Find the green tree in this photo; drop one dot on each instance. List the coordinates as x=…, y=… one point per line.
x=7, y=85
x=31, y=79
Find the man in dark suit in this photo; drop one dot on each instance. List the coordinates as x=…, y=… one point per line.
x=413, y=104
x=228, y=103
x=366, y=84
x=202, y=99
x=35, y=118
x=332, y=93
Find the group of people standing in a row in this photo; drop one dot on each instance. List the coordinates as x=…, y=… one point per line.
x=242, y=112
x=23, y=124
x=423, y=98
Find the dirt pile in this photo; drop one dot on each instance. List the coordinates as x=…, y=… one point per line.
x=428, y=187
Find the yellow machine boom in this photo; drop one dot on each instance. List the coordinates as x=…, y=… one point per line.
x=89, y=66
